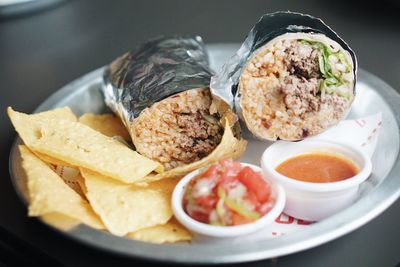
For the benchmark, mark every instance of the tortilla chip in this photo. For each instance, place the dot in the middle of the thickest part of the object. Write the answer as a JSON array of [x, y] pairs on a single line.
[[74, 144], [127, 208], [170, 232], [48, 193], [60, 221], [106, 124], [81, 183], [51, 160], [230, 147], [28, 126], [68, 173]]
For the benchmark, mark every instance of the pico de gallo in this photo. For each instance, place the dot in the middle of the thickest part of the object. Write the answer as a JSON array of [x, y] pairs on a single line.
[[226, 194]]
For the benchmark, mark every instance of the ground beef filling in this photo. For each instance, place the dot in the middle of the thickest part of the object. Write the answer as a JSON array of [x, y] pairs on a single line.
[[300, 95], [302, 61], [178, 130], [300, 87]]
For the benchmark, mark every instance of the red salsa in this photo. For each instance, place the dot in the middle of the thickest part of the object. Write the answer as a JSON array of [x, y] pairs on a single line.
[[227, 193]]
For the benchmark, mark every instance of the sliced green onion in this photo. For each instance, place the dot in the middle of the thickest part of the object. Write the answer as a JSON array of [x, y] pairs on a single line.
[[332, 81], [321, 85], [239, 208], [305, 42], [220, 204], [322, 63], [327, 65], [221, 211], [221, 192], [189, 197]]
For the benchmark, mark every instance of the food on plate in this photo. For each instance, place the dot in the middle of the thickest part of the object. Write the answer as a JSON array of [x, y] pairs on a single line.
[[296, 85], [293, 77], [318, 168], [160, 91], [29, 126], [170, 232], [60, 221], [106, 124], [178, 130], [228, 193], [70, 175], [229, 147], [81, 182], [48, 194], [125, 208], [76, 144], [64, 193], [321, 176]]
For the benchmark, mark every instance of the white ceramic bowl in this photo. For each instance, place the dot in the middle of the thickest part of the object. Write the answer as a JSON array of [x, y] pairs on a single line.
[[225, 231], [316, 201]]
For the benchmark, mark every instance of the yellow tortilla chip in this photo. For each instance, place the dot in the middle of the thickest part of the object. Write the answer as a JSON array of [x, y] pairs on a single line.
[[170, 232], [68, 173], [230, 147], [60, 221], [127, 208], [74, 144], [81, 183], [51, 160], [28, 126], [48, 193], [106, 124]]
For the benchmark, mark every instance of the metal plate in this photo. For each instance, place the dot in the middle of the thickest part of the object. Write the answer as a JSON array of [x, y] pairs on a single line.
[[379, 191]]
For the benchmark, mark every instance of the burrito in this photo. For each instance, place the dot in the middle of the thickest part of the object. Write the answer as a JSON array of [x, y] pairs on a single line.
[[161, 92], [178, 130], [292, 78]]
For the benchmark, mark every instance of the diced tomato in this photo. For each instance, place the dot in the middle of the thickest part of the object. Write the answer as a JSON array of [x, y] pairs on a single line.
[[254, 183], [226, 175], [207, 202], [199, 216], [226, 178], [239, 219], [252, 198]]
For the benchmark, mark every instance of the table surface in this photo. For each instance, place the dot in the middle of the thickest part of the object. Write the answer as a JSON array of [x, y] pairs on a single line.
[[41, 52]]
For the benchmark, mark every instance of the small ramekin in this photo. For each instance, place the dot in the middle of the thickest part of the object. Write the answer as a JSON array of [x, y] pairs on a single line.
[[225, 231], [316, 201]]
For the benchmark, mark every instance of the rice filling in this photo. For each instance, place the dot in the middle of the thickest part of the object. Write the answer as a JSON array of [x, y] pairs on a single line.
[[179, 129]]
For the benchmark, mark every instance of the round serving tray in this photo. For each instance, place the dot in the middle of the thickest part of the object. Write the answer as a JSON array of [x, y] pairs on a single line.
[[378, 192]]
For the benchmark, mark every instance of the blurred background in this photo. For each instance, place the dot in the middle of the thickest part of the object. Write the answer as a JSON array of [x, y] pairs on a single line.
[[46, 44]]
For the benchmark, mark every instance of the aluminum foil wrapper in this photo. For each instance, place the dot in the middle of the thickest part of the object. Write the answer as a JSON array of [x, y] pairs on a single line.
[[155, 70], [225, 83]]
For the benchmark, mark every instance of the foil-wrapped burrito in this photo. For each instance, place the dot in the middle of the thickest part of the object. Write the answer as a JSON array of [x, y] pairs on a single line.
[[293, 77], [160, 90]]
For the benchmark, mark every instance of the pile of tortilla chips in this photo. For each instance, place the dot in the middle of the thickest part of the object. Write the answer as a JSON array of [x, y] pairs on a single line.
[[84, 171]]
